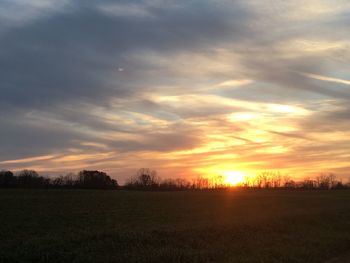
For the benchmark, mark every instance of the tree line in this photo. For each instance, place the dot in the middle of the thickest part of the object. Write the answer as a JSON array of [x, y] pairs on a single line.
[[146, 179], [83, 180]]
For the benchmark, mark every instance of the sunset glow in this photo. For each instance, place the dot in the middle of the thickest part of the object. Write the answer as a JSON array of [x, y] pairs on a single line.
[[233, 178], [188, 88]]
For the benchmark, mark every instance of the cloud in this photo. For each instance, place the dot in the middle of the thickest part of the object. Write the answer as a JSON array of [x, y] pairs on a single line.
[[17, 13], [325, 78], [174, 85], [68, 54]]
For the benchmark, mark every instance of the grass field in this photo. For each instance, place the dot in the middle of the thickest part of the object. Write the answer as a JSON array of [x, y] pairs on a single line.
[[218, 226]]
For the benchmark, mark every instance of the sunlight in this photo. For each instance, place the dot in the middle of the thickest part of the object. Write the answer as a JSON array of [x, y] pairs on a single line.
[[233, 178]]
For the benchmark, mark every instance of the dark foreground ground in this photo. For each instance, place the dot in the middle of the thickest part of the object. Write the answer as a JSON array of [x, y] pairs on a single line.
[[227, 226]]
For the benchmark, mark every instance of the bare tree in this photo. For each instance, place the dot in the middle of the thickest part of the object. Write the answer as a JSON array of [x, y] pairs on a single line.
[[145, 179], [30, 179], [326, 181]]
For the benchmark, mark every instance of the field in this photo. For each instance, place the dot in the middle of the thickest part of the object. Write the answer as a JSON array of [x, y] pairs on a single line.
[[218, 226]]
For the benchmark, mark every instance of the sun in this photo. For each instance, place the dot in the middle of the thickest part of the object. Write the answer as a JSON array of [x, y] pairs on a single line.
[[233, 178]]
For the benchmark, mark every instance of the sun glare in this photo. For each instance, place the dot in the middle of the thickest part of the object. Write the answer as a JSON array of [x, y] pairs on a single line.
[[233, 178]]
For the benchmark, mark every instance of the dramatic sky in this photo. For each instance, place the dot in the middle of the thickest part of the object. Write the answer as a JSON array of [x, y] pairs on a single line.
[[187, 87]]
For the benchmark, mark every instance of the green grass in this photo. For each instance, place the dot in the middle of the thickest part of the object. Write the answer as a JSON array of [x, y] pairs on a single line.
[[222, 226]]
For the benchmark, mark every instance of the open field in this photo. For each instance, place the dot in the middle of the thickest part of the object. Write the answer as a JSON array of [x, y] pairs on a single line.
[[218, 226]]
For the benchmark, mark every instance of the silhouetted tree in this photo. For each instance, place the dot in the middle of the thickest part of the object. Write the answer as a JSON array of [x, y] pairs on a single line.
[[276, 179], [65, 181], [326, 181], [201, 183], [71, 180], [249, 182], [95, 180], [7, 179], [339, 185], [218, 182], [31, 179], [145, 179], [264, 179], [308, 184], [174, 184]]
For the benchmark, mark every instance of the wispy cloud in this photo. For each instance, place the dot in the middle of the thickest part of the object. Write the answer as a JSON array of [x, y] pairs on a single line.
[[329, 79], [184, 87]]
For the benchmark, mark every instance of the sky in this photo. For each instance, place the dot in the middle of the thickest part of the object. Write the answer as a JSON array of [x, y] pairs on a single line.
[[188, 87]]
